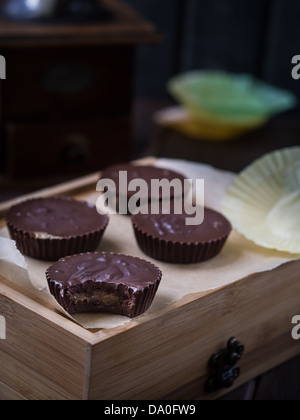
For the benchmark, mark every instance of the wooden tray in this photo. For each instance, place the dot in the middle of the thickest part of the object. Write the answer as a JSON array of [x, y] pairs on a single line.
[[162, 355]]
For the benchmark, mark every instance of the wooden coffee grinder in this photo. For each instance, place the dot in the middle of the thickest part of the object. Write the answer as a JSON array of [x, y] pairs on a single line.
[[66, 104]]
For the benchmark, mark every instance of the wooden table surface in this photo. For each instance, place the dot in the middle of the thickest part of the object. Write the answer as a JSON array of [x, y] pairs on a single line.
[[234, 155], [280, 384]]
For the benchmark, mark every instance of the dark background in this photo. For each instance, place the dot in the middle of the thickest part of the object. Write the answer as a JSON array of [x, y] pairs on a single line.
[[258, 36]]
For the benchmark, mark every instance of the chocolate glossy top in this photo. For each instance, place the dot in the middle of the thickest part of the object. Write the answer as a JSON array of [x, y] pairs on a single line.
[[173, 227], [58, 216], [147, 173], [103, 267]]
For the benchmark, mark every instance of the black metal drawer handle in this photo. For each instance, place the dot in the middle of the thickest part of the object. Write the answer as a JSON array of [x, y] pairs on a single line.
[[223, 366]]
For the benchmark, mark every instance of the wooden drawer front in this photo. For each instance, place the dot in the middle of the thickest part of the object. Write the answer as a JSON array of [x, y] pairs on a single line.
[[168, 358], [55, 84], [76, 147], [39, 366]]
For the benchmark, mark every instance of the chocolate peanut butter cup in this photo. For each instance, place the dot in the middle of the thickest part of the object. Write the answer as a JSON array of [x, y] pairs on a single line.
[[168, 238], [104, 282], [51, 228], [144, 173]]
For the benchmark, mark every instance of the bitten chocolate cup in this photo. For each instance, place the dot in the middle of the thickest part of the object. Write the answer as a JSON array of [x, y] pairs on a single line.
[[168, 238], [51, 228], [104, 283]]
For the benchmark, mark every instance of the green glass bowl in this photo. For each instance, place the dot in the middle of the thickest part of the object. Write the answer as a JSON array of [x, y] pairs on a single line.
[[235, 99]]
